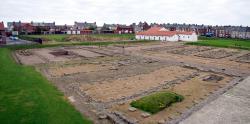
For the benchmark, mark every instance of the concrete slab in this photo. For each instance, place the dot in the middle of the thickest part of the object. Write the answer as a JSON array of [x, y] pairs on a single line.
[[233, 107]]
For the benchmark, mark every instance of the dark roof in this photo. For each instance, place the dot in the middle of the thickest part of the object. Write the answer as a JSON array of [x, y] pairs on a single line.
[[43, 24], [109, 27], [1, 26], [85, 25], [248, 29], [124, 26]]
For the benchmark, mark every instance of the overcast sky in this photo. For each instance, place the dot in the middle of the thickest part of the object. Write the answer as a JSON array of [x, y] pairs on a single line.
[[212, 12]]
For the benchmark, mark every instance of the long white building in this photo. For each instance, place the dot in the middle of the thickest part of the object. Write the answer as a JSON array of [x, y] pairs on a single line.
[[162, 34]]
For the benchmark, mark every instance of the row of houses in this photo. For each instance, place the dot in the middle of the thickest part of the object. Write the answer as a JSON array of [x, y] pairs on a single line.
[[92, 28], [77, 28], [210, 31], [35, 28]]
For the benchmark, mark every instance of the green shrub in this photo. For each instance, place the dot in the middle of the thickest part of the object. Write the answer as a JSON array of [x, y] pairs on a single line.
[[157, 101]]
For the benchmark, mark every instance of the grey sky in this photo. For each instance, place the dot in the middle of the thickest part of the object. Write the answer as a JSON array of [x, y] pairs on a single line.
[[212, 12]]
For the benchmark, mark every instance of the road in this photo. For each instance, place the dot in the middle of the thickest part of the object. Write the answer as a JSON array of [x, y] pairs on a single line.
[[18, 42]]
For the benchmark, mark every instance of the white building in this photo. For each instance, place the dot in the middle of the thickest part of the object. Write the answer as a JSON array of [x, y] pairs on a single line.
[[162, 34], [73, 32]]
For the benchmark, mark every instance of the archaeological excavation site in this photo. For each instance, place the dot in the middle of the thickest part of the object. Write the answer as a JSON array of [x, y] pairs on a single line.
[[102, 82]]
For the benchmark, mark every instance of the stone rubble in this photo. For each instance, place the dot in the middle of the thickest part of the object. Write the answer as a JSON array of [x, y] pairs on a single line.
[[132, 109], [145, 115]]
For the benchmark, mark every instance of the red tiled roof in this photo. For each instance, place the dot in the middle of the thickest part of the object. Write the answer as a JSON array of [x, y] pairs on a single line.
[[159, 31], [1, 26]]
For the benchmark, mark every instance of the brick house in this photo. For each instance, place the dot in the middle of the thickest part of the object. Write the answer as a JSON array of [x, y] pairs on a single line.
[[21, 28], [123, 29], [14, 26], [62, 29], [2, 34], [142, 26], [27, 28], [85, 27], [31, 28], [240, 32], [43, 28], [108, 28]]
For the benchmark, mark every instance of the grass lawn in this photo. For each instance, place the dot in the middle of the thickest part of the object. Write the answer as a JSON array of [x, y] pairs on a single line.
[[63, 37], [58, 38], [27, 97], [157, 101], [223, 42]]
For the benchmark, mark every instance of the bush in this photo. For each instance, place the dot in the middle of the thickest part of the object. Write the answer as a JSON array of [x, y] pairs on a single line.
[[157, 101]]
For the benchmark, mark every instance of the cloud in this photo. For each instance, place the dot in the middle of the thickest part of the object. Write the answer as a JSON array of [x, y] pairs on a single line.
[[215, 12]]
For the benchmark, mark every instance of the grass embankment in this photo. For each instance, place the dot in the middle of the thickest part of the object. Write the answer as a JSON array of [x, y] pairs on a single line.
[[91, 37], [29, 98], [223, 42], [157, 101]]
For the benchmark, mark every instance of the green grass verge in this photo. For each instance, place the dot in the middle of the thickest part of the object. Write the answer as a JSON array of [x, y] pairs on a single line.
[[63, 37], [59, 38], [223, 42], [26, 97], [157, 101]]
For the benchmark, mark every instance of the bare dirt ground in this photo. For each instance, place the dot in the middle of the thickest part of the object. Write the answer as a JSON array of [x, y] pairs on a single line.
[[102, 81], [193, 90], [124, 87]]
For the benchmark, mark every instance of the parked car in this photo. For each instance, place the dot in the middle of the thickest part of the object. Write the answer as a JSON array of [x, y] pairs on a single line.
[[209, 34], [14, 38]]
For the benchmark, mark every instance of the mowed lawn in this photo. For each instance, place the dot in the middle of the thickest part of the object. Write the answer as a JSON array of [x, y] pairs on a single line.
[[26, 97], [63, 37], [223, 42], [156, 102]]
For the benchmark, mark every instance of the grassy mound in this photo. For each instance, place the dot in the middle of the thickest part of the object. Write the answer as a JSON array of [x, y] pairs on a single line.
[[157, 101]]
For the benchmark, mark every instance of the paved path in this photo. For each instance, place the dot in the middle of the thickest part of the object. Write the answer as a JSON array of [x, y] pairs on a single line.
[[233, 107]]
